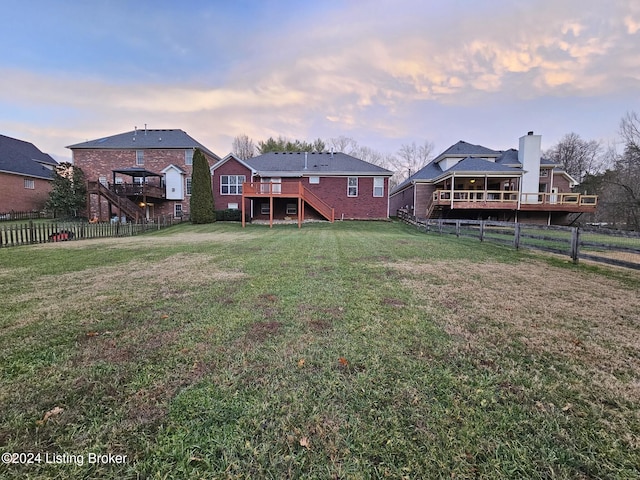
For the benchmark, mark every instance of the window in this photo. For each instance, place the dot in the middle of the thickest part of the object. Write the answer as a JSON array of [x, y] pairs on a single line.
[[292, 209], [188, 186], [378, 187], [352, 187], [139, 157], [29, 183], [119, 180], [103, 181], [232, 206], [188, 157], [231, 184], [314, 180], [177, 210], [264, 208], [544, 172]]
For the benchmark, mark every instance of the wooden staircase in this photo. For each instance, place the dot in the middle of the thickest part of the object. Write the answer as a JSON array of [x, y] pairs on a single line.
[[322, 207], [126, 206]]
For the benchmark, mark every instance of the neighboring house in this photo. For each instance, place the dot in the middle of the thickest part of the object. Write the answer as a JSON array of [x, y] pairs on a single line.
[[25, 176], [139, 174], [302, 185], [475, 182]]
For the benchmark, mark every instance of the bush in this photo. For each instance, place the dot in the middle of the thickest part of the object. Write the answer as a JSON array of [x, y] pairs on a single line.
[[229, 215]]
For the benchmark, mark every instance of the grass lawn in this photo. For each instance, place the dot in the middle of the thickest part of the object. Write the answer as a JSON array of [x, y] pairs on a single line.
[[352, 350]]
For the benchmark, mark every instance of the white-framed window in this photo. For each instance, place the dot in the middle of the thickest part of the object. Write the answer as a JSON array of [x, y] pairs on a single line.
[[544, 172], [29, 183], [292, 209], [188, 157], [352, 187], [378, 187], [189, 186], [139, 157], [119, 180], [314, 180], [231, 184], [177, 210], [232, 206], [264, 209], [103, 180]]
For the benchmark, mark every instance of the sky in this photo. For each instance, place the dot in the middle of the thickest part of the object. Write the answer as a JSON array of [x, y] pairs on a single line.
[[384, 73]]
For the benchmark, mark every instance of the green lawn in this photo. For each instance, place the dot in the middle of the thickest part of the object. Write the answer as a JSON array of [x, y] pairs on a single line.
[[346, 350]]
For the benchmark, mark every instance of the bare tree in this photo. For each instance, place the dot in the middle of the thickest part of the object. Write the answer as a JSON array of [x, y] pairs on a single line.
[[411, 158], [578, 157], [342, 144], [243, 147]]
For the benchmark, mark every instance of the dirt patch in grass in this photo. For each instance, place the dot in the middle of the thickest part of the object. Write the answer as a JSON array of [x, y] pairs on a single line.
[[261, 331], [590, 320]]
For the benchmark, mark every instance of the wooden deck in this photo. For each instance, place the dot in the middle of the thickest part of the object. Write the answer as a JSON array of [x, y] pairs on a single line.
[[286, 190], [509, 200]]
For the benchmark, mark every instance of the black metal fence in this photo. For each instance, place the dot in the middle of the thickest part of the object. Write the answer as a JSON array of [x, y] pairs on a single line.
[[34, 232], [594, 244]]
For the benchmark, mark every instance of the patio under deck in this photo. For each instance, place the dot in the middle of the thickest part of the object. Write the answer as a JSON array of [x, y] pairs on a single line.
[[295, 190]]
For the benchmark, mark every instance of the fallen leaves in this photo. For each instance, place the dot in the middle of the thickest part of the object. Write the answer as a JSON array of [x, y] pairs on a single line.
[[304, 442], [54, 411]]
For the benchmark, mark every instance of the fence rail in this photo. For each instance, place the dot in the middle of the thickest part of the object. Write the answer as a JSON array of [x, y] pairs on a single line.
[[597, 245], [44, 232], [12, 216]]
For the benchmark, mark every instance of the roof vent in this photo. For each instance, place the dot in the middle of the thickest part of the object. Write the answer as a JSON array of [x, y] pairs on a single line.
[[530, 133]]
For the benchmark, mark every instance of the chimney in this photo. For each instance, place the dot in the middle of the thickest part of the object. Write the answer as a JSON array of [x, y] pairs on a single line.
[[529, 155]]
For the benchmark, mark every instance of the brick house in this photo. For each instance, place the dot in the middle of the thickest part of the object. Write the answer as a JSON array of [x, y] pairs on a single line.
[[25, 176], [302, 185], [139, 174], [475, 182]]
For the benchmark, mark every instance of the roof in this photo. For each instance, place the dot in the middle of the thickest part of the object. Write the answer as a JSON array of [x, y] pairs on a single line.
[[144, 140], [473, 165], [473, 161], [316, 163], [137, 172], [24, 158], [463, 148]]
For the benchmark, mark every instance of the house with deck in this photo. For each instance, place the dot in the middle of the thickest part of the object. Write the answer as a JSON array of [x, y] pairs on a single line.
[[140, 174], [302, 185], [25, 176], [474, 182]]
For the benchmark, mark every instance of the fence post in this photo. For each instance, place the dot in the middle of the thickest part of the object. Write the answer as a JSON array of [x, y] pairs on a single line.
[[31, 236], [482, 230], [516, 236], [575, 244], [440, 226], [457, 228]]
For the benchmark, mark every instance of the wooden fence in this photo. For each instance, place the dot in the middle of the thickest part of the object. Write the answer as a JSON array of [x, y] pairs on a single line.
[[43, 232], [12, 216], [598, 245]]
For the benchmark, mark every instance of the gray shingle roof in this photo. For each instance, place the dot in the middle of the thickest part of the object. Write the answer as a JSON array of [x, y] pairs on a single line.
[[480, 165], [143, 140], [24, 158], [317, 163], [463, 148]]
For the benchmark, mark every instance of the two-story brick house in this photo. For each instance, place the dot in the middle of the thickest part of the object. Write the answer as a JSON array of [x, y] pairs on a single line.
[[25, 176], [139, 174], [475, 182]]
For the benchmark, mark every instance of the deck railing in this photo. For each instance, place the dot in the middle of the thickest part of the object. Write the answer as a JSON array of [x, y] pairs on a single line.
[[446, 197]]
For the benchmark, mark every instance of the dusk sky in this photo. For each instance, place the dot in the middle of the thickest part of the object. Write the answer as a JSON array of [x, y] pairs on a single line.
[[384, 73]]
